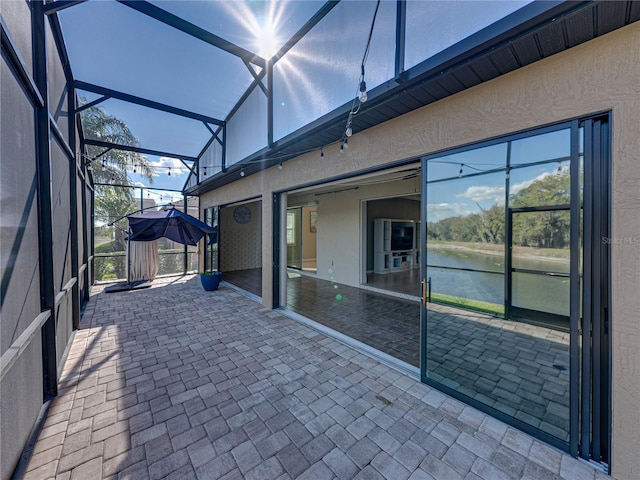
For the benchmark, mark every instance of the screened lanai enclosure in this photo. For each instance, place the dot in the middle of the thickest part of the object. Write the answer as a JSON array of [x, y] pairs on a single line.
[[472, 262]]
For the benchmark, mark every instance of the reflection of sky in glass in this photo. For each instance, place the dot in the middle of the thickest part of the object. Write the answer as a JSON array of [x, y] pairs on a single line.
[[463, 196], [541, 147], [472, 161]]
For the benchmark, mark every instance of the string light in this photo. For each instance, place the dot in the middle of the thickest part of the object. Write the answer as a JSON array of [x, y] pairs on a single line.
[[205, 171], [361, 94], [242, 172], [460, 172], [322, 152], [169, 173], [280, 166]]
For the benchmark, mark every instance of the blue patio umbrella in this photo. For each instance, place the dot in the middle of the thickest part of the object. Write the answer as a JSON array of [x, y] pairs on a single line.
[[173, 224]]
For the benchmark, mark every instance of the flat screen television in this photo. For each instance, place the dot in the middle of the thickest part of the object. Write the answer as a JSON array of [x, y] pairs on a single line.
[[401, 236]]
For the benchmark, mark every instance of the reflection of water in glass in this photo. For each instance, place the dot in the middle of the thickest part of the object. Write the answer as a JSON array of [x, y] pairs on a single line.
[[536, 292]]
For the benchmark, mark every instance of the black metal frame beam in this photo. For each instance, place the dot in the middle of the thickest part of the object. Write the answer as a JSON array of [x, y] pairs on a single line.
[[92, 104], [54, 7], [189, 28], [16, 62], [299, 35], [401, 25], [45, 217], [107, 92], [128, 148]]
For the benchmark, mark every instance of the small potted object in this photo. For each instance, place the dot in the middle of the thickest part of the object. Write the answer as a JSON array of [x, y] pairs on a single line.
[[210, 280]]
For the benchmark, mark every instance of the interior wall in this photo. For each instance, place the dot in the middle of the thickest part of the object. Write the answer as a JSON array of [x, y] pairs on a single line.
[[393, 208], [309, 237], [240, 244], [599, 75]]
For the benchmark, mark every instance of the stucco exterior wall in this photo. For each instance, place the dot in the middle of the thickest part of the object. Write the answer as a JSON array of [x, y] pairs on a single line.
[[600, 75]]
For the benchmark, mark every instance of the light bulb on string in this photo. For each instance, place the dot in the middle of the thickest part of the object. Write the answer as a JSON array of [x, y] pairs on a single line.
[[460, 172], [322, 152], [346, 143], [363, 91], [169, 173], [205, 171], [280, 166], [134, 168], [242, 172], [349, 131]]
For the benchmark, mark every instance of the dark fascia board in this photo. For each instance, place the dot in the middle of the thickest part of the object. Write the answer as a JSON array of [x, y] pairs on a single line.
[[107, 92], [145, 151], [189, 28]]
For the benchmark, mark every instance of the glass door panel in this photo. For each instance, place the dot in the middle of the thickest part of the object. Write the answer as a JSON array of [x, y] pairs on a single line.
[[294, 237], [538, 276]]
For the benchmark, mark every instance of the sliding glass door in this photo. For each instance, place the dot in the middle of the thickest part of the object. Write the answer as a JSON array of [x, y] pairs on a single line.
[[515, 293]]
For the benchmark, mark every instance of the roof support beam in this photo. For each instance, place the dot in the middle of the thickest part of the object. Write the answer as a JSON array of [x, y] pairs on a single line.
[[54, 7], [91, 104], [144, 102], [16, 61], [319, 15], [193, 30], [128, 148], [401, 22]]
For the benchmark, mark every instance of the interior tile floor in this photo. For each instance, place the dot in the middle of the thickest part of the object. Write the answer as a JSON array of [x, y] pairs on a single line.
[[249, 280], [177, 383]]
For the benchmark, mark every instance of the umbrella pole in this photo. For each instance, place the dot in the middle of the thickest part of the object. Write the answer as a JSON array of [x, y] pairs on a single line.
[[128, 261]]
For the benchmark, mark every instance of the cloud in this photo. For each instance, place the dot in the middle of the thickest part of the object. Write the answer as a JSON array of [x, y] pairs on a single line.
[[478, 193], [161, 167]]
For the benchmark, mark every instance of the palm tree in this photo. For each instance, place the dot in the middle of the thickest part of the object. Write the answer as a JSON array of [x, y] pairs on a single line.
[[113, 165]]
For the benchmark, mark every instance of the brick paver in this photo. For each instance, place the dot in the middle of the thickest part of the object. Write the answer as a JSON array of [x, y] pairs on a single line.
[[174, 382]]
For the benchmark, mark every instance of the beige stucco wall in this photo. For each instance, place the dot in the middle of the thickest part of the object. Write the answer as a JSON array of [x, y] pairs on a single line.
[[603, 74]]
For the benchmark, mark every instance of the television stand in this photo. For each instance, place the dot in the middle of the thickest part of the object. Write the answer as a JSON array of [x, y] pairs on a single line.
[[394, 245]]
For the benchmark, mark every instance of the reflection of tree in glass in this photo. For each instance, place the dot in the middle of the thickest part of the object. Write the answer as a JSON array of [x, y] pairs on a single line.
[[548, 229]]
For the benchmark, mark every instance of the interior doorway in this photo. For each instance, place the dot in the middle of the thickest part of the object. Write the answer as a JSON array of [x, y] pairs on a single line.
[[302, 228]]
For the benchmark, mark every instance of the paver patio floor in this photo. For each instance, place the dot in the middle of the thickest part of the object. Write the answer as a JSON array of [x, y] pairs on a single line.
[[175, 382]]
